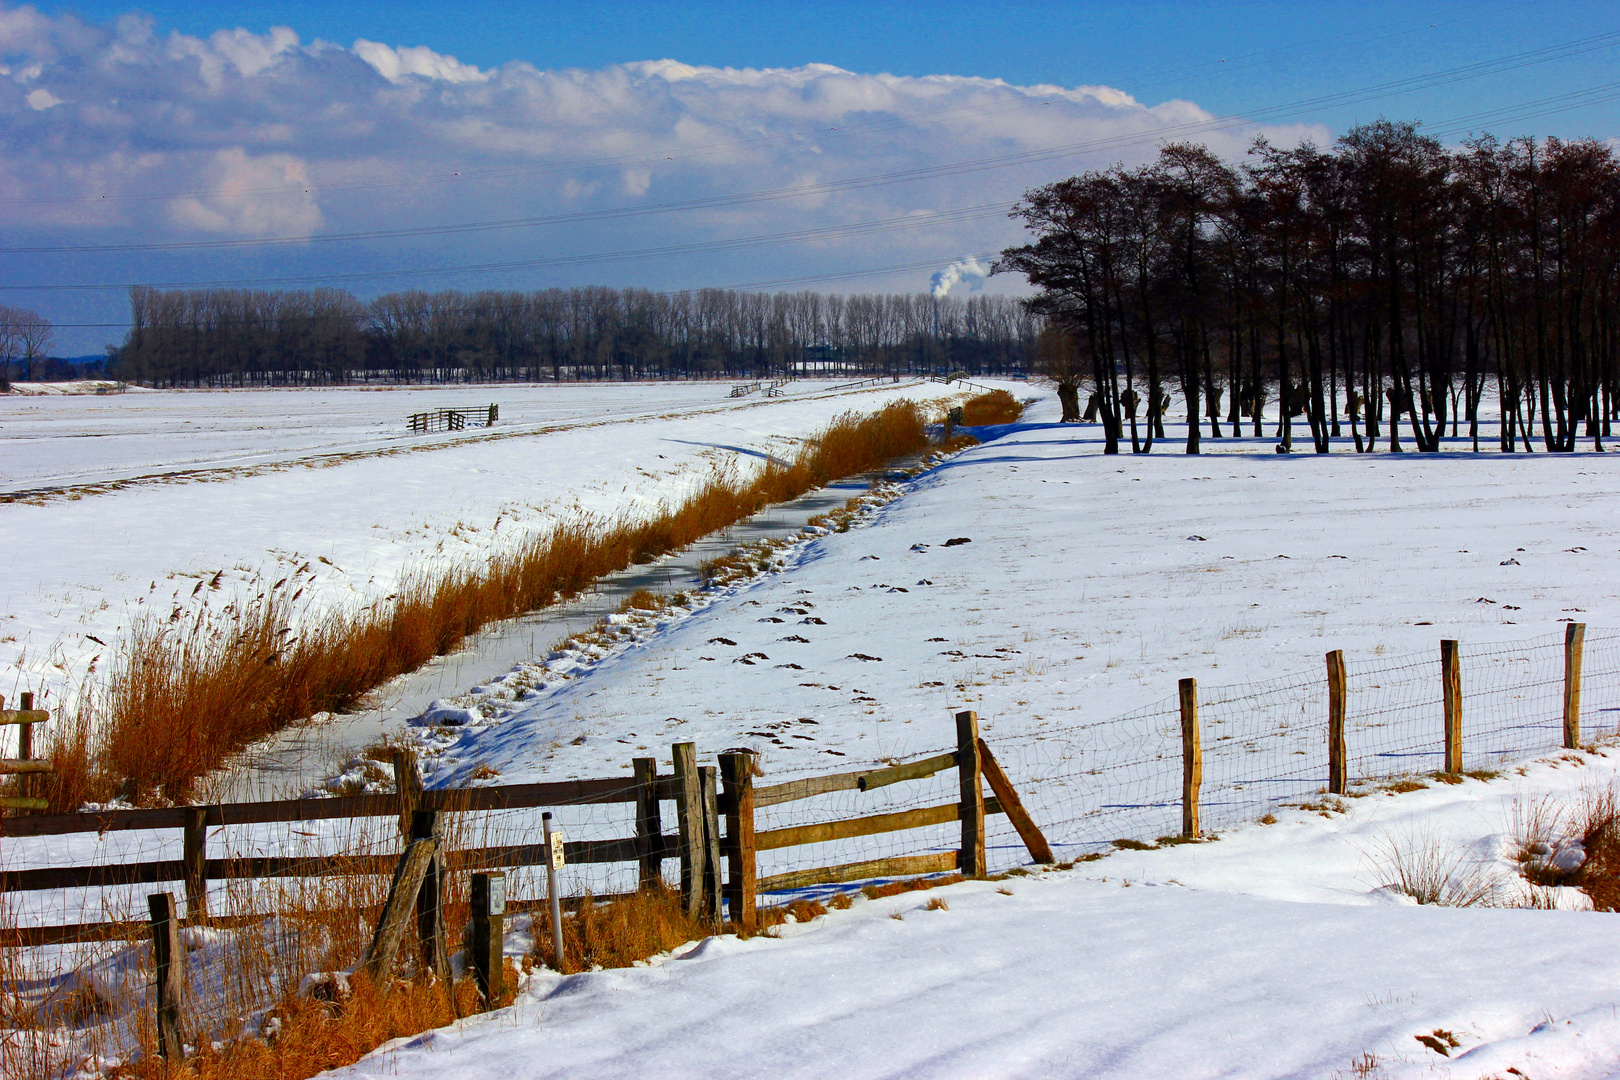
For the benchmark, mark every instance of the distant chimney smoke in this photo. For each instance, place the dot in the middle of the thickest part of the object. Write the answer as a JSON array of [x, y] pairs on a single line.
[[968, 268]]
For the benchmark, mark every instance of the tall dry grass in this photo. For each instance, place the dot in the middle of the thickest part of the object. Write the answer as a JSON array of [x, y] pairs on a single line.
[[995, 407], [182, 696]]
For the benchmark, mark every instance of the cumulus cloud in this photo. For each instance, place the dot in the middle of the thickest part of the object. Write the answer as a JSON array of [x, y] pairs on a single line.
[[238, 134], [250, 196]]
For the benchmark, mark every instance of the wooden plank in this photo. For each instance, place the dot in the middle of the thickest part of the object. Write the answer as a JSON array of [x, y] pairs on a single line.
[[1338, 769], [78, 877], [915, 770], [971, 806], [21, 765], [407, 786], [794, 790], [1008, 799], [430, 928], [511, 797], [709, 777], [1574, 647], [649, 829], [1192, 758], [489, 934], [195, 858], [903, 866], [399, 908], [689, 824], [23, 802], [168, 960], [823, 832], [24, 716], [742, 889], [1451, 695]]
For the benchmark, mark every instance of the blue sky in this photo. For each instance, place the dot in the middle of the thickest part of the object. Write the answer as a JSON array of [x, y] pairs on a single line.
[[191, 123]]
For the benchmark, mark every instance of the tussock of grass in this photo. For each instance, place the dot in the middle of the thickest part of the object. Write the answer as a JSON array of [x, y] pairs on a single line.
[[619, 932], [996, 407], [182, 696]]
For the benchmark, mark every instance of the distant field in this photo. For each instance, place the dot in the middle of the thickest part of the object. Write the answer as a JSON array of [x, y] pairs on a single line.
[[51, 440]]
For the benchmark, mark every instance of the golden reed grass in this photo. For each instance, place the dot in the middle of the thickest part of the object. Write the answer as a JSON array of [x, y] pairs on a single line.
[[182, 696]]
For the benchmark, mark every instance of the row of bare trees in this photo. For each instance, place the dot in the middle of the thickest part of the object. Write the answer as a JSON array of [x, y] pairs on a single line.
[[230, 337], [26, 338], [1384, 285]]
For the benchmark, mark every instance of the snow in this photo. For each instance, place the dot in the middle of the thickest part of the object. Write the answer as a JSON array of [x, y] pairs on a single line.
[[328, 478], [1087, 586], [1272, 951]]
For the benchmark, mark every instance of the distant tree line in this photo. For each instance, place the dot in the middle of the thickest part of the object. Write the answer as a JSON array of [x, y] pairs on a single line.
[[233, 337], [1382, 285], [26, 338]]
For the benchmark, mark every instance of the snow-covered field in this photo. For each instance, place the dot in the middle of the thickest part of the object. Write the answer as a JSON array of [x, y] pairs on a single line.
[[1087, 586], [293, 481], [1272, 952]]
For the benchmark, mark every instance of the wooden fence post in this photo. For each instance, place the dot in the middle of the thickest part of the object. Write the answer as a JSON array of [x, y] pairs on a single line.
[[737, 773], [1013, 806], [649, 829], [1574, 646], [1192, 758], [1338, 775], [25, 748], [168, 960], [971, 807], [430, 898], [689, 818], [489, 935], [711, 844], [1451, 686], [194, 854], [402, 895], [407, 786]]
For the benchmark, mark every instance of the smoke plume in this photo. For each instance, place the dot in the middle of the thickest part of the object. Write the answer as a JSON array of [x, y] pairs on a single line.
[[968, 268]]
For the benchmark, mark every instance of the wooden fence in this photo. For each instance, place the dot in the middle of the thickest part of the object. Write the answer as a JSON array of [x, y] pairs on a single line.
[[698, 841], [451, 419], [24, 765], [1451, 720]]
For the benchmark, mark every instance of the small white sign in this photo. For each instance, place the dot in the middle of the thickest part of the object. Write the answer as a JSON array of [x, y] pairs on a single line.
[[556, 851], [497, 894]]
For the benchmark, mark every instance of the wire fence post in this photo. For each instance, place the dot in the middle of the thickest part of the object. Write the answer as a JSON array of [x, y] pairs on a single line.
[[1192, 758], [430, 898], [195, 856], [649, 829], [1451, 684], [689, 820], [972, 860], [167, 960], [1337, 771], [489, 935], [407, 786], [1574, 647], [737, 773], [708, 776]]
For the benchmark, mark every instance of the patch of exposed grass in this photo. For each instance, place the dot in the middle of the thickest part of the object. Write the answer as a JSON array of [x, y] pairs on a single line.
[[995, 407]]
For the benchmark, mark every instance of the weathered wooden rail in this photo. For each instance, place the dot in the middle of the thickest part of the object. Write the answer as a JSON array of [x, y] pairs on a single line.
[[451, 419], [698, 841], [24, 764]]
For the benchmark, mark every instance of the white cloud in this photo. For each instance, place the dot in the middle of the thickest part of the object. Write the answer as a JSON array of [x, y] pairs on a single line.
[[395, 64], [238, 134], [248, 196]]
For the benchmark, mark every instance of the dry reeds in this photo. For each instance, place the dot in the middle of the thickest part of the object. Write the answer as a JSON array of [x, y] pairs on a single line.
[[995, 407], [183, 695], [619, 932]]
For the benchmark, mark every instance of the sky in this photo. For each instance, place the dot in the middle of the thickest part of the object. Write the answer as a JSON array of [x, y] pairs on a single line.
[[838, 146]]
